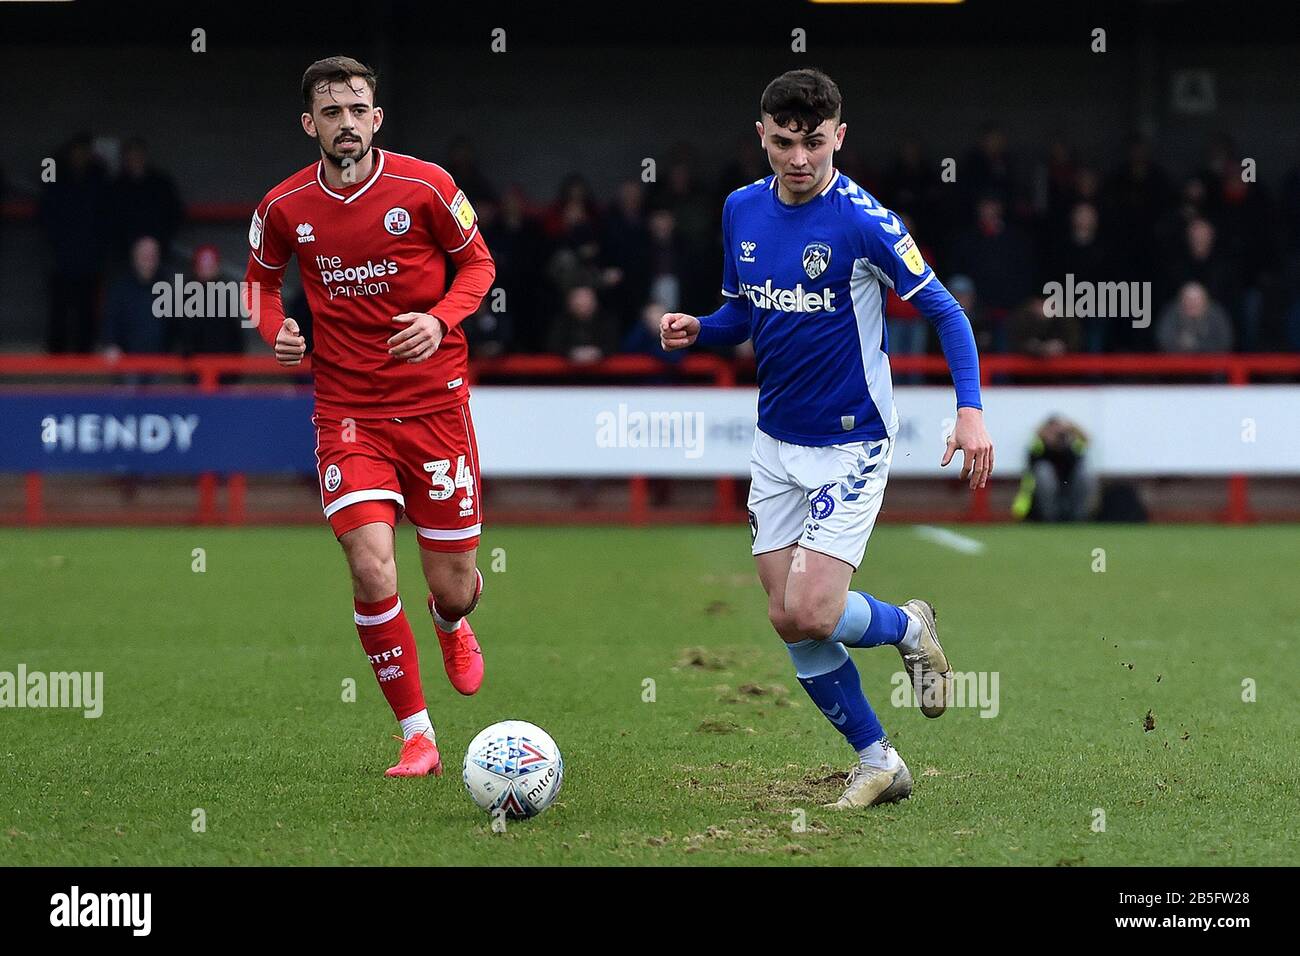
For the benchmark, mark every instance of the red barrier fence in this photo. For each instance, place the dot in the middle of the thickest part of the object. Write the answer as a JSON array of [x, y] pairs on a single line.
[[209, 373], [207, 370]]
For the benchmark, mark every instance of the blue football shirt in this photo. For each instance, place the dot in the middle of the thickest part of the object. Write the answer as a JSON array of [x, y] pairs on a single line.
[[812, 280]]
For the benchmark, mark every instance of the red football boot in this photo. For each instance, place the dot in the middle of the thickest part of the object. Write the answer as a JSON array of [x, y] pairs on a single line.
[[461, 654], [419, 758]]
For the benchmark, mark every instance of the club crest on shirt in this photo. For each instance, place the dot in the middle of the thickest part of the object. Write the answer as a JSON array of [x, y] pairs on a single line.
[[816, 257], [397, 221], [333, 478], [910, 254]]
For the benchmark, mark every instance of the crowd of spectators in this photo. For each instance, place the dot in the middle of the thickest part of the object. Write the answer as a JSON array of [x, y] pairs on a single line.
[[109, 238], [585, 275]]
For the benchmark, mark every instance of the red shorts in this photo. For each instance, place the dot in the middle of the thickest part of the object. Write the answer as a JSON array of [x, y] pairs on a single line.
[[374, 469]]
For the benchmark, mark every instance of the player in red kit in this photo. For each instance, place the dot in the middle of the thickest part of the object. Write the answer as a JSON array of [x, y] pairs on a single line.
[[375, 235]]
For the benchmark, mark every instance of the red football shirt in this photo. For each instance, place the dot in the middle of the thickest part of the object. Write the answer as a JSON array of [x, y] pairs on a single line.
[[367, 253]]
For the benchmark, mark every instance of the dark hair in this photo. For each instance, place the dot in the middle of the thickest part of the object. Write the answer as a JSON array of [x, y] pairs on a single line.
[[334, 69], [805, 98]]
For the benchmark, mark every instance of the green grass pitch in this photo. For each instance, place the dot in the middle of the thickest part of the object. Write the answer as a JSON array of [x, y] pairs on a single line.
[[223, 691]]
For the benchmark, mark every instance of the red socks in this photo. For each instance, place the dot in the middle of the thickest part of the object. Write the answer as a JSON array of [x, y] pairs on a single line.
[[390, 645]]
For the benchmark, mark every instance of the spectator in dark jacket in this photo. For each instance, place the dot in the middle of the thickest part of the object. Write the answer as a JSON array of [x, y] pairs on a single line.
[[1199, 259], [73, 214], [490, 334], [130, 326], [643, 339], [692, 208], [987, 171], [669, 260], [2, 237], [1137, 197], [209, 334], [463, 164], [963, 290], [999, 259], [1081, 253], [912, 182], [144, 201], [573, 227], [1034, 332], [1054, 186], [747, 164], [1194, 322], [518, 248], [582, 333], [1290, 209], [627, 253]]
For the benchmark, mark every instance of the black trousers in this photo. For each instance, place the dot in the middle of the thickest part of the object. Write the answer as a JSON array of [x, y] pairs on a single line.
[[73, 300]]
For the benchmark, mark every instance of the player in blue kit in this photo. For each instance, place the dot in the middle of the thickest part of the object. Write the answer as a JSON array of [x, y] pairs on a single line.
[[809, 256]]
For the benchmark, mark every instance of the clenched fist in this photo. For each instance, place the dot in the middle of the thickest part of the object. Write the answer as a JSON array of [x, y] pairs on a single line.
[[290, 346], [677, 330]]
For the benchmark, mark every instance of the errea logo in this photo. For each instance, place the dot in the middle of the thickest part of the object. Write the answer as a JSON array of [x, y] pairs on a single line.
[[305, 232]]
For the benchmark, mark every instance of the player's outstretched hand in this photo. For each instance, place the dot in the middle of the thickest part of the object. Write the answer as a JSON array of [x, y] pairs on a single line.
[[290, 346], [420, 339], [677, 330], [976, 447]]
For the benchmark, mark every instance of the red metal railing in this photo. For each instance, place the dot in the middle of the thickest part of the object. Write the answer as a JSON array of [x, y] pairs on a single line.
[[206, 373], [206, 370]]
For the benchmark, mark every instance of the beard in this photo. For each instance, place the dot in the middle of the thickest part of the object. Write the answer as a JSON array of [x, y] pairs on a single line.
[[338, 160]]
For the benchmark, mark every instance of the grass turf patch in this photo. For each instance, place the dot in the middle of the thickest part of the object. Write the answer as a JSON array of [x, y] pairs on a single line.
[[648, 656]]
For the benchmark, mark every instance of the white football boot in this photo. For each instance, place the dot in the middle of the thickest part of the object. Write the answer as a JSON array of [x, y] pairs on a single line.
[[869, 786], [925, 661]]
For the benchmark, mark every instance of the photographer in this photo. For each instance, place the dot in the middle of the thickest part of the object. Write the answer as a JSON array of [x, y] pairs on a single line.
[[1057, 484]]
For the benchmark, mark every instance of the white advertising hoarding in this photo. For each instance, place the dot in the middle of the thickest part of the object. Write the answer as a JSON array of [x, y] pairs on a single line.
[[706, 432]]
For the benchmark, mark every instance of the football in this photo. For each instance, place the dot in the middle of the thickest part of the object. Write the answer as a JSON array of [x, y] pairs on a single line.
[[513, 766]]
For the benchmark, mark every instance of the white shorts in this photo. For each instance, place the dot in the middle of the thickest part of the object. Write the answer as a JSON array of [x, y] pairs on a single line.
[[824, 499]]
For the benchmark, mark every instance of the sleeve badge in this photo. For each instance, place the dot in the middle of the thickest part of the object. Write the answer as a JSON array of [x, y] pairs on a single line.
[[255, 232], [907, 250], [463, 211]]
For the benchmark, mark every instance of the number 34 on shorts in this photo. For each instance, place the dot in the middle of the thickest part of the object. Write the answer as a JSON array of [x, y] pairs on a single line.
[[444, 486], [426, 465]]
